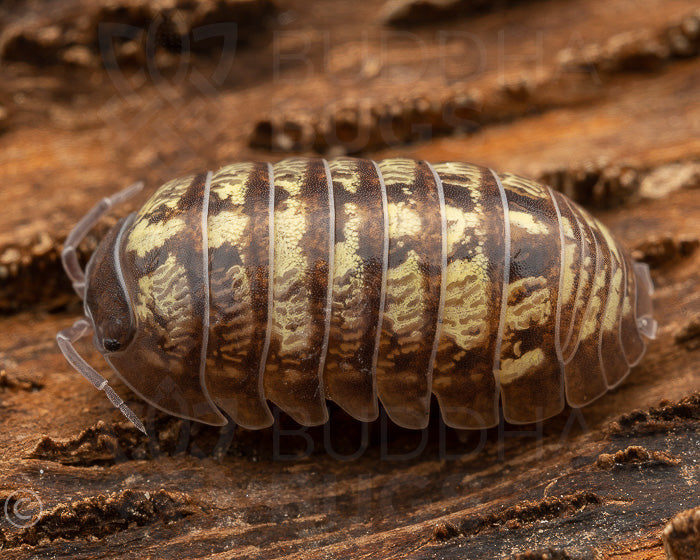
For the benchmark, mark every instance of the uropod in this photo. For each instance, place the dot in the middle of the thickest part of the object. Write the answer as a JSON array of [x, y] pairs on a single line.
[[359, 282]]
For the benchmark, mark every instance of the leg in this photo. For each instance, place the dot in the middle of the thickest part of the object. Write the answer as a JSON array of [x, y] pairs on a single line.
[[65, 340], [69, 256]]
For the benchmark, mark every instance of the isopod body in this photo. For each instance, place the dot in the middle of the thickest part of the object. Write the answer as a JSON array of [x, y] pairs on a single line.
[[360, 282]]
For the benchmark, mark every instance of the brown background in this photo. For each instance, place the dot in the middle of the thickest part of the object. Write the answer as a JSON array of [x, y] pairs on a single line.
[[600, 98]]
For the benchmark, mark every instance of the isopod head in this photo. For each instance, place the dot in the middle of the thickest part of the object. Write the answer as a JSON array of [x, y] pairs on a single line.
[[107, 305], [155, 351]]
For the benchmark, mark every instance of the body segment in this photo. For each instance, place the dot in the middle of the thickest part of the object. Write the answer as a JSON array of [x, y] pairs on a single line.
[[414, 299], [465, 382], [530, 372], [359, 286]]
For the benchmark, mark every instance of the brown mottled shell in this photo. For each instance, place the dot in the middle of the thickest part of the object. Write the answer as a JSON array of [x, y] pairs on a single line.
[[358, 281]]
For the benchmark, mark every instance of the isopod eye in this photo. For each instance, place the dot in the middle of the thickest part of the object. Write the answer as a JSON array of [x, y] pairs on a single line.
[[111, 344]]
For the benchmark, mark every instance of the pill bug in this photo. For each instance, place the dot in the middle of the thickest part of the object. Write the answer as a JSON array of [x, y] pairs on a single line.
[[359, 281]]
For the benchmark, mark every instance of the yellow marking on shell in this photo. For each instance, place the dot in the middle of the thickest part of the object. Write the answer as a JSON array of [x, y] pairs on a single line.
[[583, 281], [526, 221], [167, 195], [347, 260], [523, 186], [460, 225], [229, 185], [351, 294], [590, 322], [348, 282], [227, 227], [471, 173], [466, 311], [627, 300], [291, 310], [398, 171], [535, 309], [234, 299], [230, 289], [345, 174], [166, 291], [453, 167], [146, 236], [620, 286], [290, 227], [611, 311], [610, 241], [230, 182], [570, 268], [403, 220], [589, 325], [291, 306], [405, 301], [465, 318], [513, 368], [289, 174]]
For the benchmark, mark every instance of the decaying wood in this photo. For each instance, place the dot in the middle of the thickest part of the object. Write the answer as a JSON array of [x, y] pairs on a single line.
[[682, 535], [597, 97]]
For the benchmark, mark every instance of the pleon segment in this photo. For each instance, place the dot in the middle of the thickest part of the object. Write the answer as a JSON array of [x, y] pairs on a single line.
[[610, 350], [413, 289], [530, 373], [302, 286], [163, 262], [585, 377], [463, 376], [587, 271], [574, 254], [358, 284], [632, 341], [240, 208]]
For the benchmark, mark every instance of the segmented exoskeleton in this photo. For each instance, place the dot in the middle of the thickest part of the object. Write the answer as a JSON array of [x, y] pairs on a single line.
[[358, 281]]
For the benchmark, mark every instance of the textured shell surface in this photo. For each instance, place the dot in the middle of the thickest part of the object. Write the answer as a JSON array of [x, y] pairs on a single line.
[[366, 282]]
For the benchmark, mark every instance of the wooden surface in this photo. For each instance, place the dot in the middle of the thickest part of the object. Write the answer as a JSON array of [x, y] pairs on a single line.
[[599, 97]]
